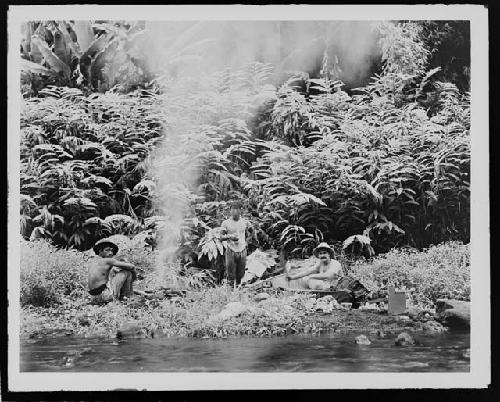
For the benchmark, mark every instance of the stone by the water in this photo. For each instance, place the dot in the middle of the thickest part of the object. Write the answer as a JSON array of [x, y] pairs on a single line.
[[362, 340], [465, 354], [433, 326], [404, 339], [453, 313], [232, 309], [413, 312], [130, 330]]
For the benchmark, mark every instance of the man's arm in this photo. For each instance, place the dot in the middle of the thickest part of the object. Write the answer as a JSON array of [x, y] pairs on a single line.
[[123, 265], [306, 272], [224, 235], [331, 273], [325, 275], [120, 264]]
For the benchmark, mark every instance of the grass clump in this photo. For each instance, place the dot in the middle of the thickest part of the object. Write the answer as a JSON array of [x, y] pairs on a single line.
[[441, 271], [49, 275]]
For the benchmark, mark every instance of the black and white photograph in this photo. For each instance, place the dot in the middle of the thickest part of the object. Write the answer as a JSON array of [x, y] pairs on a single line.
[[219, 197]]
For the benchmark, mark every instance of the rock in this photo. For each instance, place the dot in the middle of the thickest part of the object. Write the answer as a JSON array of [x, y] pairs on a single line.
[[404, 339], [69, 361], [130, 330], [453, 313], [71, 357], [404, 318], [415, 364], [433, 326], [423, 316], [413, 312], [262, 296], [465, 354], [231, 310], [362, 340]]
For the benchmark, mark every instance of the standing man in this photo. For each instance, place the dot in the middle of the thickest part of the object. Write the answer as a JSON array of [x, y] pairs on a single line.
[[234, 232], [323, 274]]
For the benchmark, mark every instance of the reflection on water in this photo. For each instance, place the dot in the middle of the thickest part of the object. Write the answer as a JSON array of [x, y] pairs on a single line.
[[329, 353]]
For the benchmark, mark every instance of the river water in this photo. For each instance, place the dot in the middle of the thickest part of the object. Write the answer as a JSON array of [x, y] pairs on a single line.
[[302, 353]]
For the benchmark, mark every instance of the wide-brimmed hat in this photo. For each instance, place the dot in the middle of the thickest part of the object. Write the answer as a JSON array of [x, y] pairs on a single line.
[[105, 243], [324, 246]]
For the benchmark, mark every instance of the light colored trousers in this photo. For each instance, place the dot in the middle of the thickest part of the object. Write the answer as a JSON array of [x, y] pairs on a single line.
[[119, 285]]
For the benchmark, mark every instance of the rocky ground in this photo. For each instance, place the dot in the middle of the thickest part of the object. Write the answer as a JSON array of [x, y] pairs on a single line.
[[221, 313]]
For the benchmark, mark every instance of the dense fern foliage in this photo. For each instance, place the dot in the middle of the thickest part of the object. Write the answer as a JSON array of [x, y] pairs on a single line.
[[388, 163], [83, 159]]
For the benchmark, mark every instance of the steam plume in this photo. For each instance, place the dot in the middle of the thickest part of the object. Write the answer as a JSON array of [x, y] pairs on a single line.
[[186, 52]]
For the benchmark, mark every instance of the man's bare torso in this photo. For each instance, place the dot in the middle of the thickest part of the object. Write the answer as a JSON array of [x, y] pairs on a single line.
[[333, 268], [98, 272]]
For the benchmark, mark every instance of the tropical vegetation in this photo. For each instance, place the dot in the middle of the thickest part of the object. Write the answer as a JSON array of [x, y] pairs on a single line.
[[147, 134], [130, 150]]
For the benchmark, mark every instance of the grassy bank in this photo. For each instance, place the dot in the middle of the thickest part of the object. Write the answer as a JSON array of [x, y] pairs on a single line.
[[55, 301]]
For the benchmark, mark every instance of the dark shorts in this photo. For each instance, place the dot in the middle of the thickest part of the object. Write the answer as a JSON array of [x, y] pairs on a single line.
[[97, 291]]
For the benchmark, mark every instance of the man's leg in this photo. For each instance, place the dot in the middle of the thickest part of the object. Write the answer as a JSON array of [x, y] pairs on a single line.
[[318, 284], [220, 270], [121, 284], [127, 288], [230, 266], [240, 266]]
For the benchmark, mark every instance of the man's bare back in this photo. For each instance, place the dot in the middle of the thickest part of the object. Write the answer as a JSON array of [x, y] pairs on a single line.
[[99, 274]]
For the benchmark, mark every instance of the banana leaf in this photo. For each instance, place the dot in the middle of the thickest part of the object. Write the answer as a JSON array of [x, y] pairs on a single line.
[[75, 49], [34, 68], [55, 63], [60, 48], [84, 34]]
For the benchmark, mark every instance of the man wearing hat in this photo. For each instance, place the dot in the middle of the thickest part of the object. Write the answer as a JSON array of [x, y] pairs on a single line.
[[322, 274], [109, 273]]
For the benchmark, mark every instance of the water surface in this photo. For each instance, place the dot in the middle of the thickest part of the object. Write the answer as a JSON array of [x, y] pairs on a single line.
[[302, 353]]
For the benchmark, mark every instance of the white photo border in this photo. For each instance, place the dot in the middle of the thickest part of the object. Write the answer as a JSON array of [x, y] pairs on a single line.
[[480, 363]]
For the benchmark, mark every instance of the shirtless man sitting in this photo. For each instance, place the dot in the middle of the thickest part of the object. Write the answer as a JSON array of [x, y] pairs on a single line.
[[323, 274], [108, 273]]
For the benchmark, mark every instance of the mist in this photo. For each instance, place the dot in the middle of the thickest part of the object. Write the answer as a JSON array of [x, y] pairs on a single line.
[[351, 46], [187, 55]]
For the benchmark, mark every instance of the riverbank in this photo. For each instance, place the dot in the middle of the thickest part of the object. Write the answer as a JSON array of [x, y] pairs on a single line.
[[55, 302], [217, 312]]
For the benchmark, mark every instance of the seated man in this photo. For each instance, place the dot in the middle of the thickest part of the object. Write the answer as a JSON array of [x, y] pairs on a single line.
[[109, 273], [322, 275]]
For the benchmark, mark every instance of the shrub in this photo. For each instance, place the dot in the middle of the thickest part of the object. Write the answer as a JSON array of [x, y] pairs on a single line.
[[441, 271], [48, 273]]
